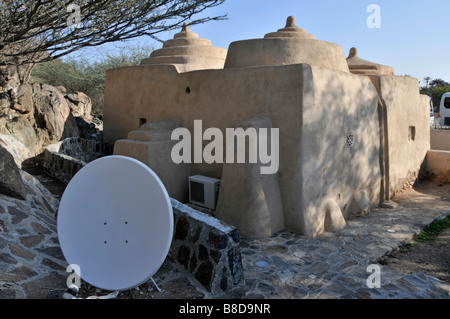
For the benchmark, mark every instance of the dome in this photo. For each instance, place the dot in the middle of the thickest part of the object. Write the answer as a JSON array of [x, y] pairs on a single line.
[[188, 52], [290, 45], [364, 67]]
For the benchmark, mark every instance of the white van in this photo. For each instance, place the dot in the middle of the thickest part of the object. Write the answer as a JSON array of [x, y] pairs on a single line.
[[444, 110]]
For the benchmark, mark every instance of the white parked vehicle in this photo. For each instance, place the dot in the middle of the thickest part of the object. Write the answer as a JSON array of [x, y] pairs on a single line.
[[444, 110], [431, 111]]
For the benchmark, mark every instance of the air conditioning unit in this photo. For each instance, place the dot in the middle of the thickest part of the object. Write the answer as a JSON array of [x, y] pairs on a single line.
[[204, 191]]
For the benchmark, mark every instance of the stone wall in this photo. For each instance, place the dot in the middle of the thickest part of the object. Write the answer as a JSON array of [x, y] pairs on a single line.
[[65, 158], [207, 248]]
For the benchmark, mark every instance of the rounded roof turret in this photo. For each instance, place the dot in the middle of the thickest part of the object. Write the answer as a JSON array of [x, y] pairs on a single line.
[[289, 45], [188, 52], [291, 30], [364, 67]]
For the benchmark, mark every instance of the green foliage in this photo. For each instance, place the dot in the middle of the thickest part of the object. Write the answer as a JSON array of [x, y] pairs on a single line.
[[437, 92], [435, 88], [406, 248], [71, 74], [434, 229], [428, 234], [85, 75]]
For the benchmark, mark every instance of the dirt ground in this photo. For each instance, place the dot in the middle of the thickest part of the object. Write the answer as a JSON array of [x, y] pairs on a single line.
[[430, 257]]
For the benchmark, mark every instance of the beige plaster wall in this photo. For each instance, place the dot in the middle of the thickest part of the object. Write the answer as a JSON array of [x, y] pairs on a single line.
[[284, 51], [314, 108], [438, 166], [405, 108], [221, 98], [249, 200], [124, 107], [152, 146], [440, 140], [331, 174]]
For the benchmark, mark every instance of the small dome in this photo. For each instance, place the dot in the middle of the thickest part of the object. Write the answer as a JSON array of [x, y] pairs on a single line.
[[364, 67], [188, 52], [290, 45]]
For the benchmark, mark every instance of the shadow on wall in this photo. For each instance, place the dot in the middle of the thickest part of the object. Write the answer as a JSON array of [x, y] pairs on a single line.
[[341, 151], [334, 160]]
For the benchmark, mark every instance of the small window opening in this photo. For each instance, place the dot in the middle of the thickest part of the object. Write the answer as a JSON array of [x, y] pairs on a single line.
[[142, 121], [412, 133]]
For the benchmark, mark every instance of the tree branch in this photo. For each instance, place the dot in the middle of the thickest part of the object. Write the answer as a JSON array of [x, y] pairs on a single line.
[[33, 31]]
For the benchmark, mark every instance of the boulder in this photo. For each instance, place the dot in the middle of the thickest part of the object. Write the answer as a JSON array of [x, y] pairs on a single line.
[[90, 130], [11, 183], [5, 104], [61, 89], [16, 148], [86, 103], [9, 77], [80, 104], [72, 97], [24, 103], [21, 128], [53, 115], [38, 115], [48, 87]]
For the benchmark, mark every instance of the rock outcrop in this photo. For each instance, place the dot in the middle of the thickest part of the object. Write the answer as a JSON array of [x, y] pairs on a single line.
[[40, 114], [80, 104], [37, 115], [11, 183], [33, 116]]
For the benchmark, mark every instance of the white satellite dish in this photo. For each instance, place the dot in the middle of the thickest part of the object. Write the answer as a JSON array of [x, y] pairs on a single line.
[[115, 222]]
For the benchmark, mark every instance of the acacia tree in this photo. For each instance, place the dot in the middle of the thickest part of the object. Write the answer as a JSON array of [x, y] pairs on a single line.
[[33, 31]]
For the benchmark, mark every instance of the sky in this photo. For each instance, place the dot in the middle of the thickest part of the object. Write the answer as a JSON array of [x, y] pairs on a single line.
[[413, 37]]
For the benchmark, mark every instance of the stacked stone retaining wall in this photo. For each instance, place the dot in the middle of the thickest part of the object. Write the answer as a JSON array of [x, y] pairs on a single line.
[[65, 158], [207, 248]]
